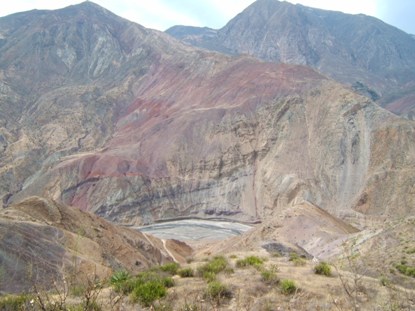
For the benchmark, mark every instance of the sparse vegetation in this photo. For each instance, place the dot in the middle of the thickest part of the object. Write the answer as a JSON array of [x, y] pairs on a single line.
[[213, 267], [185, 272], [288, 287], [147, 292], [405, 269], [145, 288], [297, 260], [170, 268], [249, 261], [323, 268], [15, 302], [269, 277], [384, 281], [119, 280], [216, 290], [209, 276]]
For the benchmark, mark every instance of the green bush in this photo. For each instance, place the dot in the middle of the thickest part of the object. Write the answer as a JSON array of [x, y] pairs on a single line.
[[170, 268], [148, 292], [249, 261], [217, 290], [323, 268], [269, 277], [209, 276], [129, 285], [186, 272], [168, 282], [215, 266], [288, 287], [405, 269], [119, 281], [15, 302], [119, 276]]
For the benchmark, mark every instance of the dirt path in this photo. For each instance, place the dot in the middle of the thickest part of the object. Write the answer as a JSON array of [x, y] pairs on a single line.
[[168, 252]]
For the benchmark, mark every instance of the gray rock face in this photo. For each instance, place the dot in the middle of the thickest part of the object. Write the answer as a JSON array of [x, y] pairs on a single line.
[[349, 48]]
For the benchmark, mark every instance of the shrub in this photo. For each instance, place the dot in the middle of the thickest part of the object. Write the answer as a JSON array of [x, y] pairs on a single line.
[[269, 277], [186, 272], [119, 276], [384, 281], [168, 282], [12, 302], [405, 269], [148, 292], [170, 268], [209, 276], [296, 259], [249, 261], [288, 287], [78, 290], [119, 280], [130, 284], [276, 254], [217, 290], [229, 271], [216, 265], [323, 268]]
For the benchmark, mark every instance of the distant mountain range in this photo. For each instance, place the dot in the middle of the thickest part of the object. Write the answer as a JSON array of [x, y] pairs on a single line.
[[375, 58]]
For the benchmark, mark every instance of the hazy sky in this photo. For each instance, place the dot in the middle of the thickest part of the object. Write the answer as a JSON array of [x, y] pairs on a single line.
[[161, 14]]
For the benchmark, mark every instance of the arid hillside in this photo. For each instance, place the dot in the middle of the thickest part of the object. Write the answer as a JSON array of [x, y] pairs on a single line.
[[42, 242], [155, 129]]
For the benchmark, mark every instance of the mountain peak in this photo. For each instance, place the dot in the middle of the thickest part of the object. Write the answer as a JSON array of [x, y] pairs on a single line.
[[348, 48]]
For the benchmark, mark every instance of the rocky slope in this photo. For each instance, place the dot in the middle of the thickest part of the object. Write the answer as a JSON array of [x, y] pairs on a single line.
[[362, 51], [138, 127], [66, 76], [42, 241]]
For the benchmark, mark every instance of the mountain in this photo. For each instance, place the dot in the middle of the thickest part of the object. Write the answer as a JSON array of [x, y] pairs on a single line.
[[134, 126], [362, 51], [65, 79], [42, 241]]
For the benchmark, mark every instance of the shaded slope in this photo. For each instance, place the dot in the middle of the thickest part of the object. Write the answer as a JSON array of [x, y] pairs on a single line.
[[42, 241]]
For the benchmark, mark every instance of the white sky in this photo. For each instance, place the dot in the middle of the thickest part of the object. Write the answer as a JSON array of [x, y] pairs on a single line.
[[162, 14]]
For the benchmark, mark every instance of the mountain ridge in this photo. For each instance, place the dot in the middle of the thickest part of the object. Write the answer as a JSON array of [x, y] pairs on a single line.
[[349, 48]]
